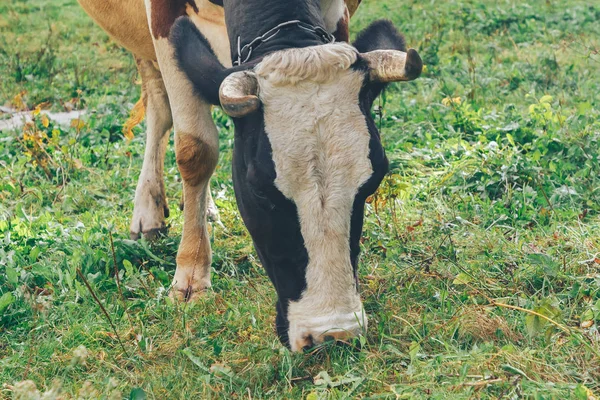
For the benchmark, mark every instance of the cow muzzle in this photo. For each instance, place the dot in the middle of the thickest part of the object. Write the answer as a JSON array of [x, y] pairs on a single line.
[[307, 332]]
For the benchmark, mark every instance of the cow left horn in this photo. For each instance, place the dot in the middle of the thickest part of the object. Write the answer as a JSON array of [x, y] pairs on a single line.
[[393, 65], [238, 94]]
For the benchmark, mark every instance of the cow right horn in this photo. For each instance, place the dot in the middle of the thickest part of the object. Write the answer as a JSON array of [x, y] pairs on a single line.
[[239, 94], [393, 65]]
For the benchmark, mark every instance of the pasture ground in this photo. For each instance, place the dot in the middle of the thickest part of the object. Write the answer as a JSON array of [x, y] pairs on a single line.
[[480, 267]]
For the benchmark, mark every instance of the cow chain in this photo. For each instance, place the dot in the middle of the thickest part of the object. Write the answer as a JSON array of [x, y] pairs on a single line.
[[271, 33]]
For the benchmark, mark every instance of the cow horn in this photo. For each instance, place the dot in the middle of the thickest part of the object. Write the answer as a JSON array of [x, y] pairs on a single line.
[[393, 65], [238, 94]]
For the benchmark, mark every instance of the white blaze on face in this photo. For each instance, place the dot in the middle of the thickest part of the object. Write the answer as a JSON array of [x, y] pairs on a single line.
[[320, 144]]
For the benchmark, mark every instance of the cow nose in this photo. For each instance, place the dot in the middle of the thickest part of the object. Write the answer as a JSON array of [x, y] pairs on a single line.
[[307, 342], [309, 329]]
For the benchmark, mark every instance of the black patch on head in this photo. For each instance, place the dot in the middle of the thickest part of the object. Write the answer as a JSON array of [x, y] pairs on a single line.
[[380, 165], [380, 35], [269, 216], [217, 2]]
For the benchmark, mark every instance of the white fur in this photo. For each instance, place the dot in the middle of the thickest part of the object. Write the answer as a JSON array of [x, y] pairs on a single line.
[[319, 64], [332, 11], [320, 143]]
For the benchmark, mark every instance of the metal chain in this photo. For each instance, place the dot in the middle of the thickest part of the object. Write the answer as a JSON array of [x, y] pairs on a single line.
[[271, 33]]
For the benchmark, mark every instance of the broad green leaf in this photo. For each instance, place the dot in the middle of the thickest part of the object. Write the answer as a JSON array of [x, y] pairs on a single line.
[[583, 108], [414, 350], [510, 138], [550, 266], [587, 315], [128, 267], [196, 360], [534, 324], [6, 300], [583, 393], [513, 370], [34, 253], [12, 276], [137, 394], [462, 279]]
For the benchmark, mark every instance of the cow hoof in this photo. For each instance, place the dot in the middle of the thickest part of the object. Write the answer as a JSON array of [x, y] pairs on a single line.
[[212, 212], [149, 235], [149, 214]]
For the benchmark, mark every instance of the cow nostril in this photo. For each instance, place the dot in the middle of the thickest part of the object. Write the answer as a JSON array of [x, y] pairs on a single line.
[[328, 338], [308, 343]]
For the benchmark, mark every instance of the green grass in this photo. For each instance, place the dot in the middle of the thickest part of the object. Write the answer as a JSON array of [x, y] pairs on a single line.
[[492, 203]]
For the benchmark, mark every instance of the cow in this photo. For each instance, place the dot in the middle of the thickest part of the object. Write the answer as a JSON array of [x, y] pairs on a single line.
[[127, 22], [307, 152]]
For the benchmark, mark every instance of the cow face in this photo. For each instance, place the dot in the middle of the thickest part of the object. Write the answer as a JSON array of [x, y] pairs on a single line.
[[307, 155]]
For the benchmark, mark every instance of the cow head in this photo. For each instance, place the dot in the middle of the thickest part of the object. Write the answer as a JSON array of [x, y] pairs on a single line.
[[307, 154]]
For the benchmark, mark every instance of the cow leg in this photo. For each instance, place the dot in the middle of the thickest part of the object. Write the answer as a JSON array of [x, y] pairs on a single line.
[[196, 150], [212, 212], [150, 205]]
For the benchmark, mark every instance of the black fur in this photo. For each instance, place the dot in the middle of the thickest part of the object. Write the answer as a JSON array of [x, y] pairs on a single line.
[[380, 35], [197, 59], [248, 19]]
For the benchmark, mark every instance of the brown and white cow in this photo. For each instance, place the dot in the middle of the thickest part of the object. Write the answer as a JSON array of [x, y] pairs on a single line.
[[307, 152], [143, 27]]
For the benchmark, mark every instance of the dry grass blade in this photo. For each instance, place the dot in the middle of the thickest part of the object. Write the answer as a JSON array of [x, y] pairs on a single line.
[[87, 284]]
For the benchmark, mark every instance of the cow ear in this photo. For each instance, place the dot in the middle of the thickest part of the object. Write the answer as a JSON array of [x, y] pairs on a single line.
[[197, 59], [383, 54], [380, 35]]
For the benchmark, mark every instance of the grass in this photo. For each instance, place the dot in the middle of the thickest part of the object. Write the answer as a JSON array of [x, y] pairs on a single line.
[[480, 267]]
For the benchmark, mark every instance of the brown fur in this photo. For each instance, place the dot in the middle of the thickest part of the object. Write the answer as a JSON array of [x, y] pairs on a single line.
[[342, 33], [195, 159], [164, 14], [125, 21], [352, 5]]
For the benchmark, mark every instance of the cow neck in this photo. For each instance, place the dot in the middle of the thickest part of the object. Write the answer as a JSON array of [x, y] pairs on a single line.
[[249, 19], [245, 52]]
